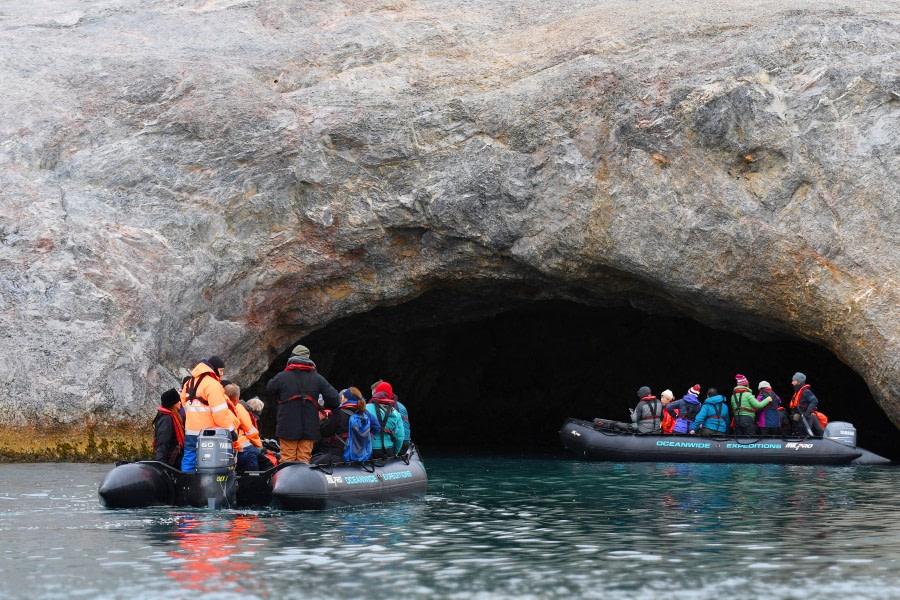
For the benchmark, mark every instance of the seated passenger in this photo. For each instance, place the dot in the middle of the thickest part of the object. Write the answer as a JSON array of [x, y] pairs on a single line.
[[646, 417], [713, 416], [389, 439], [383, 386], [804, 404], [248, 444], [335, 429], [686, 410], [667, 425], [768, 420], [168, 430], [745, 406]]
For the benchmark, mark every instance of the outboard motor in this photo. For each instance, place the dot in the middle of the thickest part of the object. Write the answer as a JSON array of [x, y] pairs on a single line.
[[841, 432], [214, 484]]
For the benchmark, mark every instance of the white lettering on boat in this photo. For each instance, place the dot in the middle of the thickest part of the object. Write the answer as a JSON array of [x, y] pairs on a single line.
[[797, 445]]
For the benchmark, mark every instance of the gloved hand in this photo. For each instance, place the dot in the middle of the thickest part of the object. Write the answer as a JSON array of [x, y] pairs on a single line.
[[234, 435], [795, 417]]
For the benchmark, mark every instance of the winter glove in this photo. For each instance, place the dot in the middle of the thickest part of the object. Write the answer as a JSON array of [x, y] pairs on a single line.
[[234, 435], [796, 417]]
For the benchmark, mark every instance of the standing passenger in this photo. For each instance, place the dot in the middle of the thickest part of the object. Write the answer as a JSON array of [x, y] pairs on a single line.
[[768, 419], [248, 445], [646, 417], [168, 430], [687, 408], [298, 388], [205, 405], [744, 406], [713, 417]]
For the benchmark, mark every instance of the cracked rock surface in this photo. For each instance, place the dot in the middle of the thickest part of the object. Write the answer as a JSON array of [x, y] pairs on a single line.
[[178, 179]]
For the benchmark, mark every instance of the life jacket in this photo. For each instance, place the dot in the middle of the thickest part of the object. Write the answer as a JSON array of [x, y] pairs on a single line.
[[668, 422], [176, 424], [359, 438], [383, 410], [340, 437], [737, 400], [718, 415], [653, 406], [795, 401], [822, 418]]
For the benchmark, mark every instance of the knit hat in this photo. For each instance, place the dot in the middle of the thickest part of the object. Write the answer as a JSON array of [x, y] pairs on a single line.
[[764, 385], [301, 351], [348, 400], [385, 387], [215, 362], [799, 378], [667, 394], [741, 380], [695, 391], [644, 391], [168, 398]]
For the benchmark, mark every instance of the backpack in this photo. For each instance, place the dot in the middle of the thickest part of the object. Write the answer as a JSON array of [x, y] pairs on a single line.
[[359, 440]]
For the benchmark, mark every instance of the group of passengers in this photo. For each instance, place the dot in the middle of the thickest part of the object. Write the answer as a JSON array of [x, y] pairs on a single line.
[[315, 423], [745, 413]]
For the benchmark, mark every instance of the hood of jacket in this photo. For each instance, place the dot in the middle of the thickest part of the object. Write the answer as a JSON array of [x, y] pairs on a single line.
[[715, 400], [690, 399], [202, 368]]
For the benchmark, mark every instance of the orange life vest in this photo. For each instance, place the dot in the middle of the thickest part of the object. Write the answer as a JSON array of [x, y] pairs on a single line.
[[795, 401]]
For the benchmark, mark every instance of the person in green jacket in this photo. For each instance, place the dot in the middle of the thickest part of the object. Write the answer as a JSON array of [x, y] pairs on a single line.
[[743, 407]]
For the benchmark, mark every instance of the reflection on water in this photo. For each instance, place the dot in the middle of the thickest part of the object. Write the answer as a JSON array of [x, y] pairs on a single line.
[[530, 528]]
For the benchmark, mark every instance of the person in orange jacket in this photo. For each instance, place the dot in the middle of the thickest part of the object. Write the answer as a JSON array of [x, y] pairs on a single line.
[[205, 405], [248, 445], [668, 421]]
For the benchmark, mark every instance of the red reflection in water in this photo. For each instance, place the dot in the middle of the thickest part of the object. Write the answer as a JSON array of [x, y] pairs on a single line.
[[206, 545]]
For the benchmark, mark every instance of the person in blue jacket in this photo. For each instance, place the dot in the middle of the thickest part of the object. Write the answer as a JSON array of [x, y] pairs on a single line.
[[713, 417], [685, 410]]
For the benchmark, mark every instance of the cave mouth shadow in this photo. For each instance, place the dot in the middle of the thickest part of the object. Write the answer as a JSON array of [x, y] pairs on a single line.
[[482, 378]]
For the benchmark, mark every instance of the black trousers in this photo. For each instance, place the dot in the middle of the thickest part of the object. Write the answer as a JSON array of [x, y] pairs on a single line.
[[744, 425]]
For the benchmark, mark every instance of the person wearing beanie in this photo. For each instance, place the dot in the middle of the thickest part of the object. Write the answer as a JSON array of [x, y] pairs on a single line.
[[168, 430], [713, 416], [336, 428], [744, 406], [297, 389], [768, 419], [667, 424], [404, 414], [685, 410], [803, 405], [646, 417], [205, 405], [384, 409]]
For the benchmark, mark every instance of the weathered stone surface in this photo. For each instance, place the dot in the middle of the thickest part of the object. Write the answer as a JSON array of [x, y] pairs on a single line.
[[178, 178]]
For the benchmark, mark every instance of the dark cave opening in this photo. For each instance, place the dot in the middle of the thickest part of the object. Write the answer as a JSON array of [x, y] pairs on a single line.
[[505, 379]]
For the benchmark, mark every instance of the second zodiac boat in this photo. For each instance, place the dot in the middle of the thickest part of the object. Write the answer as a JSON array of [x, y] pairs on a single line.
[[603, 440]]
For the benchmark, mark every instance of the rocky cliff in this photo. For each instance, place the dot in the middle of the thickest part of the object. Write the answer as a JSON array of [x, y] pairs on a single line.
[[181, 178]]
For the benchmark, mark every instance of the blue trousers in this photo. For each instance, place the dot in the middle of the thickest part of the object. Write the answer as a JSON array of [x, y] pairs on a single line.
[[189, 461], [247, 459]]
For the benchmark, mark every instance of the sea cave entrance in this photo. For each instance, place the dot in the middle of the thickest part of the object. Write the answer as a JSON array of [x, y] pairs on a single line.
[[482, 377]]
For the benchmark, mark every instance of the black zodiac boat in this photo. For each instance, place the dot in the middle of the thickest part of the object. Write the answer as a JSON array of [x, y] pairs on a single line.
[[289, 486], [605, 440]]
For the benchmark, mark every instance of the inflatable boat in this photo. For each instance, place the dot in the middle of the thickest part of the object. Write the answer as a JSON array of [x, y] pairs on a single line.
[[606, 440], [289, 486]]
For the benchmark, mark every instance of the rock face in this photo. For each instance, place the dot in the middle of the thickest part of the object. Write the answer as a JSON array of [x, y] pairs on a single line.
[[184, 178]]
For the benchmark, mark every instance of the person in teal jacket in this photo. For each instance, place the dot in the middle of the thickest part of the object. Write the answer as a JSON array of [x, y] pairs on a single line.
[[390, 439], [713, 416]]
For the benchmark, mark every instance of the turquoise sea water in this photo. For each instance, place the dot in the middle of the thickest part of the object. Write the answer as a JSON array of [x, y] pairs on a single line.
[[523, 527]]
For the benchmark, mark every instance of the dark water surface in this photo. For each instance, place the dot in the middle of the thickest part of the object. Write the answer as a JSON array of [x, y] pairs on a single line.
[[530, 528]]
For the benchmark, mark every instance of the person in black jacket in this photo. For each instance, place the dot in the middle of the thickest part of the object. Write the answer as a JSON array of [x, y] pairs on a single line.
[[334, 428], [298, 388], [168, 430]]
